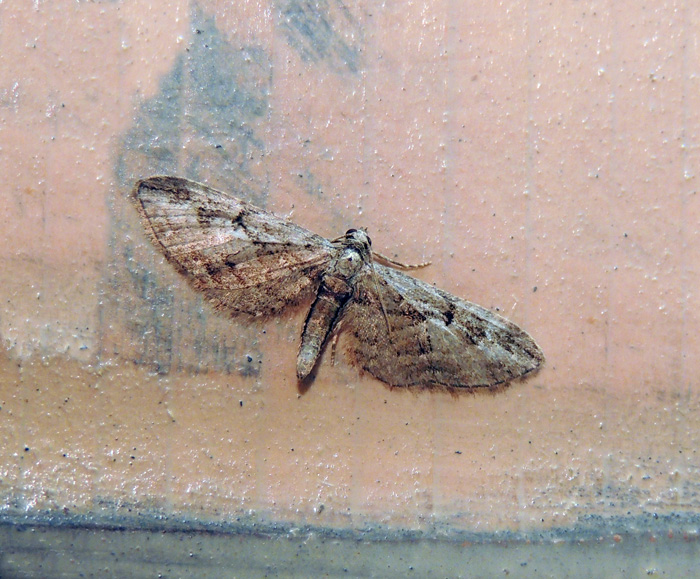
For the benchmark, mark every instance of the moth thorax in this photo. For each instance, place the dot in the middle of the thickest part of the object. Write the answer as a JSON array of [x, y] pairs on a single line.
[[349, 263], [337, 286]]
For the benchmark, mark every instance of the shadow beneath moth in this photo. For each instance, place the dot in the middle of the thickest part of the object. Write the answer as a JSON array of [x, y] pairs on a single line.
[[402, 331]]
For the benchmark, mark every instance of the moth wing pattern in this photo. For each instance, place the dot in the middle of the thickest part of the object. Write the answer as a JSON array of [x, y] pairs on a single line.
[[408, 333], [242, 258]]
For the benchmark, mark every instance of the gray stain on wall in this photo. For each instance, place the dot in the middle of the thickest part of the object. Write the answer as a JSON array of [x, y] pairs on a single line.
[[322, 31], [208, 121]]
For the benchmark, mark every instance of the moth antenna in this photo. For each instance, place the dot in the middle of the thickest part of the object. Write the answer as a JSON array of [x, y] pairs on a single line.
[[384, 260]]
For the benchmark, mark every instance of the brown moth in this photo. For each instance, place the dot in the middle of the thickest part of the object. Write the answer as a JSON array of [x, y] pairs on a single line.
[[401, 330]]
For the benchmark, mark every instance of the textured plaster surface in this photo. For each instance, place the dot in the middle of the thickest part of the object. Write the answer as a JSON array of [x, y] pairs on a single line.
[[542, 157]]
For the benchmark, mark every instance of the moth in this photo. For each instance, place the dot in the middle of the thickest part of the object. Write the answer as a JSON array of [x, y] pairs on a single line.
[[404, 332]]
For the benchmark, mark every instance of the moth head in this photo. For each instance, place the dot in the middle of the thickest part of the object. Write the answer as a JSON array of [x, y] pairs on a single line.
[[358, 236]]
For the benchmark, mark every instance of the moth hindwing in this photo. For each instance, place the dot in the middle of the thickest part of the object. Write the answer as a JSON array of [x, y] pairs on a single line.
[[248, 262]]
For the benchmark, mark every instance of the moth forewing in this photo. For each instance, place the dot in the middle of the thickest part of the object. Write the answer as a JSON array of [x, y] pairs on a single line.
[[433, 338], [244, 259]]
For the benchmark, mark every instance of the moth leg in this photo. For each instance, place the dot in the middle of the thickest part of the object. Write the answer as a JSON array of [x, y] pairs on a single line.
[[335, 336], [384, 260]]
